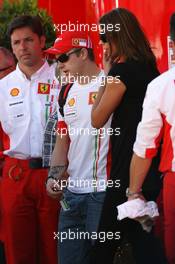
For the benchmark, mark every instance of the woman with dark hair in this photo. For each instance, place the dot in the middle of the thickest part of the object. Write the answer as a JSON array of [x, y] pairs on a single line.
[[127, 55]]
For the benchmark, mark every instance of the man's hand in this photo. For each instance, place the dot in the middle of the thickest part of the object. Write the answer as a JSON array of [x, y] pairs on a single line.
[[53, 189]]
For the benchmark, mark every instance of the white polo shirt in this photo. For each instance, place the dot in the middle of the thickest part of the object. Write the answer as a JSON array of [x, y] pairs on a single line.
[[89, 153], [25, 107], [158, 122]]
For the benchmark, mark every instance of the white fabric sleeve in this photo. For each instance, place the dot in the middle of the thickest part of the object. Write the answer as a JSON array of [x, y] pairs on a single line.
[[149, 131]]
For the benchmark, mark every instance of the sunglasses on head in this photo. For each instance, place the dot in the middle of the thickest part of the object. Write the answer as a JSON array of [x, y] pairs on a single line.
[[103, 38], [65, 56], [172, 37]]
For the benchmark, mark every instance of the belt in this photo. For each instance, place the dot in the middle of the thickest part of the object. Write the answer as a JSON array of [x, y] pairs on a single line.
[[16, 170], [35, 163]]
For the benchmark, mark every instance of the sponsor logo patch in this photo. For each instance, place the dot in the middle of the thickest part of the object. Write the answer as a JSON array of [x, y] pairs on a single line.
[[71, 102], [92, 97], [79, 42], [75, 42], [43, 88], [14, 92]]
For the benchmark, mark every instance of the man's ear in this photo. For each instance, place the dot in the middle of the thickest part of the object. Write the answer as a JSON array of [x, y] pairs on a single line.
[[84, 53], [43, 41]]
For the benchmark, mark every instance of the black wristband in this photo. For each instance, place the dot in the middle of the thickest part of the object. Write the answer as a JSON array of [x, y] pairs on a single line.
[[50, 177]]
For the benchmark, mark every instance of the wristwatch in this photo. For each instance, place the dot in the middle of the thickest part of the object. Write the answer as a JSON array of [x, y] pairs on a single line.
[[50, 177], [133, 194]]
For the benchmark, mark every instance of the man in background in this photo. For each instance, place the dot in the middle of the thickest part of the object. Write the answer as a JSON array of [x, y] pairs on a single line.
[[158, 123], [7, 62], [27, 97], [7, 65]]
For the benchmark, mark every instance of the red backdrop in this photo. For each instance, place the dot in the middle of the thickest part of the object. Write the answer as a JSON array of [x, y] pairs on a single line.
[[153, 15], [79, 11]]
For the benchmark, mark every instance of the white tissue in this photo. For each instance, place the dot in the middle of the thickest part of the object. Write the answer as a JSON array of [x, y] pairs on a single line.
[[137, 208]]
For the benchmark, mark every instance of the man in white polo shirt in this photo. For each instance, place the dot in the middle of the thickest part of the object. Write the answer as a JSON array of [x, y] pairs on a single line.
[[7, 65], [158, 125], [80, 149], [27, 97]]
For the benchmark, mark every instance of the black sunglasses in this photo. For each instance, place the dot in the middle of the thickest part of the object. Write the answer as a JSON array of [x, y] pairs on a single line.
[[65, 56], [103, 38]]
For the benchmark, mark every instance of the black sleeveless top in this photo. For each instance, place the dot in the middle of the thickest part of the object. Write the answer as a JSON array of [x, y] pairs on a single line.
[[135, 76]]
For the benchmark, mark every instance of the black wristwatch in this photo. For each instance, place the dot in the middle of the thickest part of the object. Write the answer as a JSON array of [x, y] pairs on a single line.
[[50, 177]]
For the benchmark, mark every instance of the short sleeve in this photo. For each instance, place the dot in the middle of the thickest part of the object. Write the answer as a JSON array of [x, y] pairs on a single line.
[[61, 124]]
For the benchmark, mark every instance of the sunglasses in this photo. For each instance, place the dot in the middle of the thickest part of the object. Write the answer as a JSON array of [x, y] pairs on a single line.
[[103, 38], [65, 56]]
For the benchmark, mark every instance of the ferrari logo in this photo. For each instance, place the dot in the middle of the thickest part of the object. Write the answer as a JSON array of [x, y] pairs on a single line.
[[92, 97], [75, 42], [43, 88]]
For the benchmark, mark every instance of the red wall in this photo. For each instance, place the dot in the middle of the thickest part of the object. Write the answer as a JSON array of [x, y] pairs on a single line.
[[83, 11], [64, 10], [154, 16]]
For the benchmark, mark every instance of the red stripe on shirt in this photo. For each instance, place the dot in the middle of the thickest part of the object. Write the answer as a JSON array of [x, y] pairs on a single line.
[[98, 153], [109, 161], [151, 152], [167, 148]]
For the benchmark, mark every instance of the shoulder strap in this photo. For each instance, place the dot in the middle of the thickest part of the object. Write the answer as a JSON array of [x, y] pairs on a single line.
[[63, 96]]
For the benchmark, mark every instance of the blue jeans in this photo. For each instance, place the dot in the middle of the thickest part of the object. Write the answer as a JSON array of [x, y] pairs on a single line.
[[76, 226]]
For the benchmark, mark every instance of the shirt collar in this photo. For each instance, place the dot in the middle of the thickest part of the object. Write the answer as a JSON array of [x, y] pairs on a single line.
[[36, 75]]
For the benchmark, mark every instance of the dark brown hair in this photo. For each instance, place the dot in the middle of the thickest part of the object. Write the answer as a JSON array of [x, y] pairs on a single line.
[[130, 40], [33, 22], [172, 26]]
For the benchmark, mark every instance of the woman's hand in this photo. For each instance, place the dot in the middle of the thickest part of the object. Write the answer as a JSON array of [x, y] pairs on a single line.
[[107, 62]]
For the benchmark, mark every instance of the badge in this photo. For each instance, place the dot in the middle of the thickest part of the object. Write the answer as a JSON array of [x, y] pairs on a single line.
[[92, 97], [14, 92], [71, 102], [43, 88], [79, 42], [75, 42]]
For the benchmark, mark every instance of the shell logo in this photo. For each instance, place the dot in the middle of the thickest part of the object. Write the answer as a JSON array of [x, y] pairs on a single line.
[[14, 92], [71, 102]]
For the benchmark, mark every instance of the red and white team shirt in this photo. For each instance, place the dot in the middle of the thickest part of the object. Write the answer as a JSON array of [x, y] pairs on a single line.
[[88, 154], [25, 107], [158, 121]]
